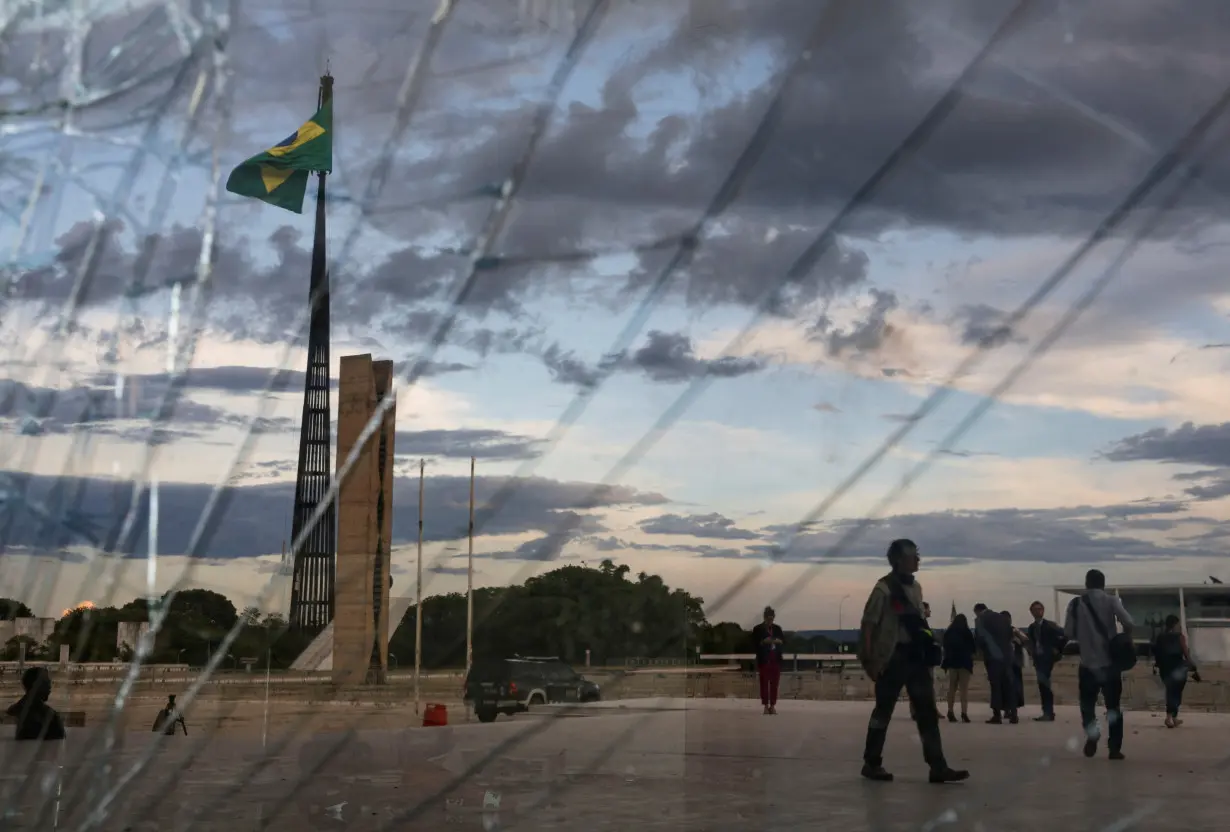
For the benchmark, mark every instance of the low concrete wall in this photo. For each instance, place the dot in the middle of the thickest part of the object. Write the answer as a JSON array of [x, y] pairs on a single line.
[[1142, 690]]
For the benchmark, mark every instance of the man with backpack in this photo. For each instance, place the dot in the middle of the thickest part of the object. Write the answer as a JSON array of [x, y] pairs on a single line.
[[1105, 656], [898, 650]]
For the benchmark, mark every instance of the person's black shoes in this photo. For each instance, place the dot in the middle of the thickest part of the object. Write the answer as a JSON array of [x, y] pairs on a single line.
[[877, 773], [948, 775], [965, 718], [995, 720], [1045, 718], [1116, 755], [1091, 747], [952, 717], [1013, 720]]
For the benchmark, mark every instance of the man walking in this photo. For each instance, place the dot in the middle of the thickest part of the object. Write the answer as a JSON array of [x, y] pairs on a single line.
[[1090, 622], [896, 650], [768, 638], [1046, 640], [993, 633]]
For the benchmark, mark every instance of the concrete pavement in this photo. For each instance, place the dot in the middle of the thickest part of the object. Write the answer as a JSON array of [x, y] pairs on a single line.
[[704, 764]]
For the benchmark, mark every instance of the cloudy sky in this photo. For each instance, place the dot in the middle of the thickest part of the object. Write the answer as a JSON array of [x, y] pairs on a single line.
[[712, 332]]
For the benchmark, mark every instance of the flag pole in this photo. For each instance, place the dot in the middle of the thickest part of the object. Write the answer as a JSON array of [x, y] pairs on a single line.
[[470, 579], [315, 560], [418, 599]]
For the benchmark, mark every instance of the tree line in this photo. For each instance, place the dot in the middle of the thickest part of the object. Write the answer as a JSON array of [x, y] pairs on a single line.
[[564, 613]]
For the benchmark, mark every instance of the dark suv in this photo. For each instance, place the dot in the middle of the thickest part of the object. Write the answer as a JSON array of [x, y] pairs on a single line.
[[509, 686]]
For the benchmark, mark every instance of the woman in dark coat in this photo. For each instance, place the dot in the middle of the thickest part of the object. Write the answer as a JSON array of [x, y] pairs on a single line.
[[767, 640], [959, 663], [1019, 640]]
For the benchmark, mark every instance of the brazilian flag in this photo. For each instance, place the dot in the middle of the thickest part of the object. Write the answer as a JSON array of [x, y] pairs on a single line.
[[279, 176]]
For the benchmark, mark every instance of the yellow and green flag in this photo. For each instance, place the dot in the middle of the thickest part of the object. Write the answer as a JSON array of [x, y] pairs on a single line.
[[279, 175]]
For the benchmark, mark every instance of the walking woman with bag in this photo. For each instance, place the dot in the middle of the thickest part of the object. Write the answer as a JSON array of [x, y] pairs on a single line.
[[959, 664], [1173, 661]]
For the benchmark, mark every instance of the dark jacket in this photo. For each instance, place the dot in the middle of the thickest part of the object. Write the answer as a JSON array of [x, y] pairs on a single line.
[[168, 720], [958, 649], [36, 720], [1168, 652], [994, 637], [764, 652], [1047, 641]]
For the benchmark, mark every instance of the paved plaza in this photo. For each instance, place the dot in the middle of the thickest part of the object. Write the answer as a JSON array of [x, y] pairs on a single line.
[[641, 764]]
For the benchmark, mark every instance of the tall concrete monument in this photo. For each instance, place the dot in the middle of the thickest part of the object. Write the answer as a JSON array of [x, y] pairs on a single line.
[[364, 524]]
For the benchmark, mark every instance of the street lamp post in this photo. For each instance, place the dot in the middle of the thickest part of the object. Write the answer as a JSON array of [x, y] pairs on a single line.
[[839, 605]]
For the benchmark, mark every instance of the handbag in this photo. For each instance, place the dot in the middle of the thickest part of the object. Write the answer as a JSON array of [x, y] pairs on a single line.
[[1122, 648]]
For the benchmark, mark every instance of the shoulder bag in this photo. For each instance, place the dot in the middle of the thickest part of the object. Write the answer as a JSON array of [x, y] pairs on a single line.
[[1122, 648]]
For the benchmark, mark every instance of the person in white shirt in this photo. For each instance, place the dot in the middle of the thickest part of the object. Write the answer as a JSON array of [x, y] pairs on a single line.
[[1090, 622]]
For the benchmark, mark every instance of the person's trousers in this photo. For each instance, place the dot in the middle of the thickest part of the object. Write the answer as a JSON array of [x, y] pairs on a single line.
[[915, 677], [1175, 681], [1018, 685], [1109, 683], [770, 674], [958, 683], [1046, 694], [1003, 687]]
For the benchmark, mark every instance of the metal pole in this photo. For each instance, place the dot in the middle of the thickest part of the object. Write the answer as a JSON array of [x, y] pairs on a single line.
[[265, 726], [418, 598], [470, 579]]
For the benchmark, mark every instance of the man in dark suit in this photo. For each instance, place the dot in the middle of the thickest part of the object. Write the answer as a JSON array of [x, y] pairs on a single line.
[[993, 633], [1046, 640]]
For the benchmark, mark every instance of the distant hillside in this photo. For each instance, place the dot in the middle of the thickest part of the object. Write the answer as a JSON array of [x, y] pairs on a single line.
[[839, 636]]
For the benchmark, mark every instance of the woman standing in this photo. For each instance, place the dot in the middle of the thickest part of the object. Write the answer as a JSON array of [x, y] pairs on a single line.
[[1173, 662], [1019, 640], [959, 662], [768, 639]]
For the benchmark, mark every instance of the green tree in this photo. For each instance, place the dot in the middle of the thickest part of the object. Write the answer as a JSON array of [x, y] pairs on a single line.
[[562, 613], [10, 609], [90, 634], [11, 651]]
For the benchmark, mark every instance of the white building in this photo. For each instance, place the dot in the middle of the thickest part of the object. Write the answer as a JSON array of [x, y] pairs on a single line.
[[39, 629], [1203, 611]]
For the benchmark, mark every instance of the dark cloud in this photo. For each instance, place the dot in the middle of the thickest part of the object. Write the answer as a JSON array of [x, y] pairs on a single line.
[[566, 368], [37, 410], [254, 302], [862, 337], [617, 544], [697, 525], [233, 379], [551, 545], [1188, 444], [665, 357], [1078, 535], [247, 379], [865, 89], [463, 443], [255, 519], [441, 569], [984, 325], [668, 357]]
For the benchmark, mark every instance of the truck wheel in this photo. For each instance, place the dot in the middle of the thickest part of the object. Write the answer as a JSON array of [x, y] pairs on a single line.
[[486, 714]]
